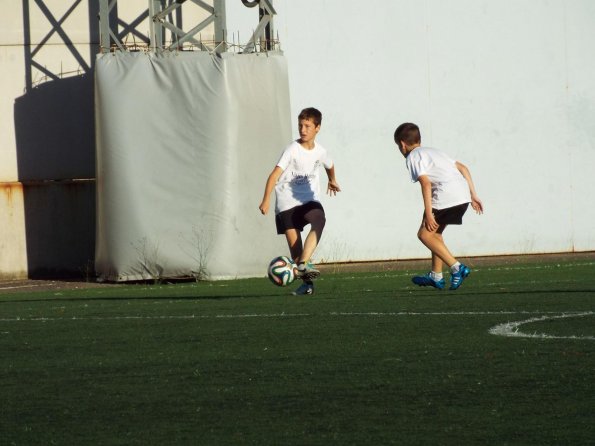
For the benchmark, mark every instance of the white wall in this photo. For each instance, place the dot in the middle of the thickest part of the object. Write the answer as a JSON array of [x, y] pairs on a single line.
[[506, 87]]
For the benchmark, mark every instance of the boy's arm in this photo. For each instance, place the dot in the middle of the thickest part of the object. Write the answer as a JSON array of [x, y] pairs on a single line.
[[268, 189], [426, 191], [476, 203], [333, 186]]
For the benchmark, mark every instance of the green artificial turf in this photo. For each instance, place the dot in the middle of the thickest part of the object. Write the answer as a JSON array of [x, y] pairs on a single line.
[[369, 360]]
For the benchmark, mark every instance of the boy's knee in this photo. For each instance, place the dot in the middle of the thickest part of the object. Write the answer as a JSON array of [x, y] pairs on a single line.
[[426, 236], [317, 220], [322, 221], [421, 235]]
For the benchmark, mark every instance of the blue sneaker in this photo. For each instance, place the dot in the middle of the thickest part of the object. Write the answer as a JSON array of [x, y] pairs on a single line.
[[304, 289], [426, 280], [456, 279]]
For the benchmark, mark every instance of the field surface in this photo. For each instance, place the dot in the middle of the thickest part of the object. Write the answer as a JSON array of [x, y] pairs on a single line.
[[370, 359]]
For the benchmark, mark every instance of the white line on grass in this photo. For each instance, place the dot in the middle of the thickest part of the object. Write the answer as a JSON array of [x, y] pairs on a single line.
[[511, 329], [16, 287], [162, 317], [532, 267], [278, 315], [440, 313], [508, 329]]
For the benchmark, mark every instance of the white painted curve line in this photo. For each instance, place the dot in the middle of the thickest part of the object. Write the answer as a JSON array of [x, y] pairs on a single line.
[[511, 329]]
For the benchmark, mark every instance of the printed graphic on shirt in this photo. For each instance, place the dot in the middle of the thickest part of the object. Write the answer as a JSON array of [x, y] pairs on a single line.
[[299, 182]]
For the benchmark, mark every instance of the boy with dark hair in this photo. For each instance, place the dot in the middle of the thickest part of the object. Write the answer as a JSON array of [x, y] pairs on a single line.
[[295, 180], [447, 189]]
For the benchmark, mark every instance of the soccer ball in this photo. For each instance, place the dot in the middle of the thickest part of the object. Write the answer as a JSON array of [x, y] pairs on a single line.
[[281, 271]]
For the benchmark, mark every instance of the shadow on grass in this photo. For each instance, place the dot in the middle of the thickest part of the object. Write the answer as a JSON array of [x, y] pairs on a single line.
[[137, 298], [257, 295]]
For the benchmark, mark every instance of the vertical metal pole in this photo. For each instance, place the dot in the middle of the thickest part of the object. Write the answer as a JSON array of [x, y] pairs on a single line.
[[269, 32], [155, 27], [104, 28], [27, 46], [220, 25]]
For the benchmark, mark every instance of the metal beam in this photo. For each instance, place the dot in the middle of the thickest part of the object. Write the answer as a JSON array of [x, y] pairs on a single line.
[[160, 20], [109, 37], [258, 33], [163, 20], [264, 32], [104, 37], [187, 36], [220, 26]]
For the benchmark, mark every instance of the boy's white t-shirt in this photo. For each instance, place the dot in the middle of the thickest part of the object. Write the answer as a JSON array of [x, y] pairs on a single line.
[[299, 183], [449, 186]]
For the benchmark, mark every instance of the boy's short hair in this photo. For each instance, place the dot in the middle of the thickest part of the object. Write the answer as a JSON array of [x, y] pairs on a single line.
[[311, 113], [409, 133]]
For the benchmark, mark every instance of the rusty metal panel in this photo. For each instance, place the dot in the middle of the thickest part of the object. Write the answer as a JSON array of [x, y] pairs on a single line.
[[13, 258]]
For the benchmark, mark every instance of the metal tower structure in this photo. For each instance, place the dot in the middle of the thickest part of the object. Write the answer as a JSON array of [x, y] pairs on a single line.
[[165, 20]]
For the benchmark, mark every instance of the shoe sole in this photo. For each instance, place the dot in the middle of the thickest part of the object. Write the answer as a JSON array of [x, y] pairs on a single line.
[[429, 284], [310, 275]]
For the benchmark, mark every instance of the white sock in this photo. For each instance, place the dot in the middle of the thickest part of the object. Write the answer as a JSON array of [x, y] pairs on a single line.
[[455, 268], [436, 276]]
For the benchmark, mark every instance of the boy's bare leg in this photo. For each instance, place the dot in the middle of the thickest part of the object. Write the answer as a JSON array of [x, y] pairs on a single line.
[[294, 241], [309, 245], [437, 263], [317, 221], [435, 243], [305, 271]]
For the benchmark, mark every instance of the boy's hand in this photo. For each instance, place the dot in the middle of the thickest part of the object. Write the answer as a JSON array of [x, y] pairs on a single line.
[[430, 223], [476, 204], [333, 188], [264, 207]]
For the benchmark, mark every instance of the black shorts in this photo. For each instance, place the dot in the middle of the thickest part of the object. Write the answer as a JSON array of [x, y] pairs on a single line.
[[295, 218], [450, 216]]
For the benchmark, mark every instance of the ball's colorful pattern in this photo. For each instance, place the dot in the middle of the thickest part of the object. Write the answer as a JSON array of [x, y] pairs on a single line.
[[281, 271]]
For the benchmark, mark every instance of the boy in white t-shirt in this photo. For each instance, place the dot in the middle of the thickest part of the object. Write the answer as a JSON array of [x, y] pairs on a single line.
[[447, 189], [295, 180]]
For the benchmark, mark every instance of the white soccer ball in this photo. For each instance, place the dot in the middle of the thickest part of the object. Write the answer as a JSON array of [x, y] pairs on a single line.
[[281, 271]]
